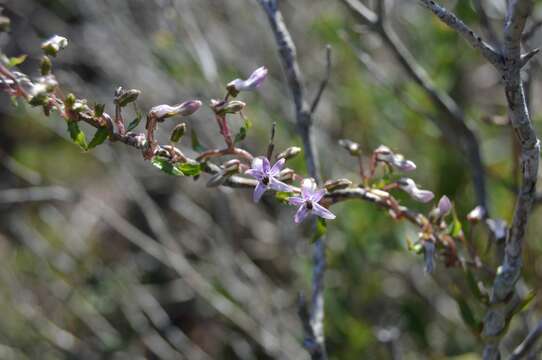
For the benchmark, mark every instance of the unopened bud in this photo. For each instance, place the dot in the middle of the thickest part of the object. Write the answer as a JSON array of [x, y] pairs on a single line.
[[253, 82], [45, 65], [232, 166], [70, 101], [39, 95], [289, 153], [80, 105], [127, 97], [398, 161], [286, 174], [233, 107], [54, 45], [409, 186], [352, 147], [162, 112], [5, 24], [332, 185], [476, 214], [99, 109], [178, 132], [444, 205]]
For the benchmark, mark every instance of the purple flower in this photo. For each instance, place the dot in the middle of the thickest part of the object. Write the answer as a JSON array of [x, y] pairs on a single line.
[[266, 176], [253, 82], [186, 108], [308, 202]]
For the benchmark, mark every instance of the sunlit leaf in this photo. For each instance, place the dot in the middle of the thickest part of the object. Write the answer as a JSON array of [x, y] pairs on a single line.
[[190, 169], [99, 137], [77, 135], [166, 166], [16, 61]]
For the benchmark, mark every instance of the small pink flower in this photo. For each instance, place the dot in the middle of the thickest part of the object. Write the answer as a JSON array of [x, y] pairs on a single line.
[[267, 176], [383, 153], [308, 202], [253, 82]]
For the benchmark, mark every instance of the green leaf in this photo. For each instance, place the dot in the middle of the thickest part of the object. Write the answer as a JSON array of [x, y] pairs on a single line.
[[320, 229], [455, 227], [99, 137], [16, 61], [166, 166], [196, 146], [77, 135], [282, 196], [133, 124], [190, 169], [242, 134]]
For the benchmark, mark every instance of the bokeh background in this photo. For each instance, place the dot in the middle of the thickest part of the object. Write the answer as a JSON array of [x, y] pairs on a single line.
[[105, 257]]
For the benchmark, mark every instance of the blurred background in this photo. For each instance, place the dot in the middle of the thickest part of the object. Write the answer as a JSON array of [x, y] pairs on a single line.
[[105, 257]]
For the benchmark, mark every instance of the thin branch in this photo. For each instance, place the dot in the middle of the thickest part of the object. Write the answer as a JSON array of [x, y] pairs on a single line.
[[450, 19], [304, 120], [324, 82], [486, 24], [504, 285], [526, 345]]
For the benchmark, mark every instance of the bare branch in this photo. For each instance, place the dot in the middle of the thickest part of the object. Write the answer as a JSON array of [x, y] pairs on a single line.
[[324, 82], [304, 120], [450, 19]]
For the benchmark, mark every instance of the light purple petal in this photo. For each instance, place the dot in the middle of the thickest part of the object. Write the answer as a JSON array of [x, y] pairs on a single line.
[[275, 170], [322, 212], [423, 195], [301, 214], [265, 165], [279, 185], [308, 186], [296, 200], [255, 173], [257, 163], [257, 77], [258, 192], [318, 195]]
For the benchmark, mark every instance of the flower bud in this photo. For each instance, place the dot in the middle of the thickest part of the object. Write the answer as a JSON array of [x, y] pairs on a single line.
[[39, 95], [253, 82], [162, 112], [233, 107], [178, 132], [286, 174], [46, 65], [338, 184], [498, 228], [352, 147], [409, 186], [289, 153], [476, 214], [70, 101], [232, 166], [444, 205], [54, 45], [126, 97], [398, 161]]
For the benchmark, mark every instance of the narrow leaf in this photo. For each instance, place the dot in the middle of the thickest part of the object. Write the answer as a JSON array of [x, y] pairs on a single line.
[[196, 146], [190, 169], [77, 135], [320, 229], [16, 61], [99, 137], [166, 166]]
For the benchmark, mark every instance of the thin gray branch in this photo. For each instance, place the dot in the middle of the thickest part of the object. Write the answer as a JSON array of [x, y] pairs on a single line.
[[324, 82], [449, 18], [526, 345], [486, 24], [304, 120]]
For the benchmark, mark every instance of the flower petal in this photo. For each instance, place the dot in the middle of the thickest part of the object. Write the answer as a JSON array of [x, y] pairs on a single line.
[[422, 195], [255, 173], [257, 163], [265, 165], [279, 185], [296, 200], [322, 212], [308, 186], [258, 191], [275, 170], [318, 195], [301, 214]]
